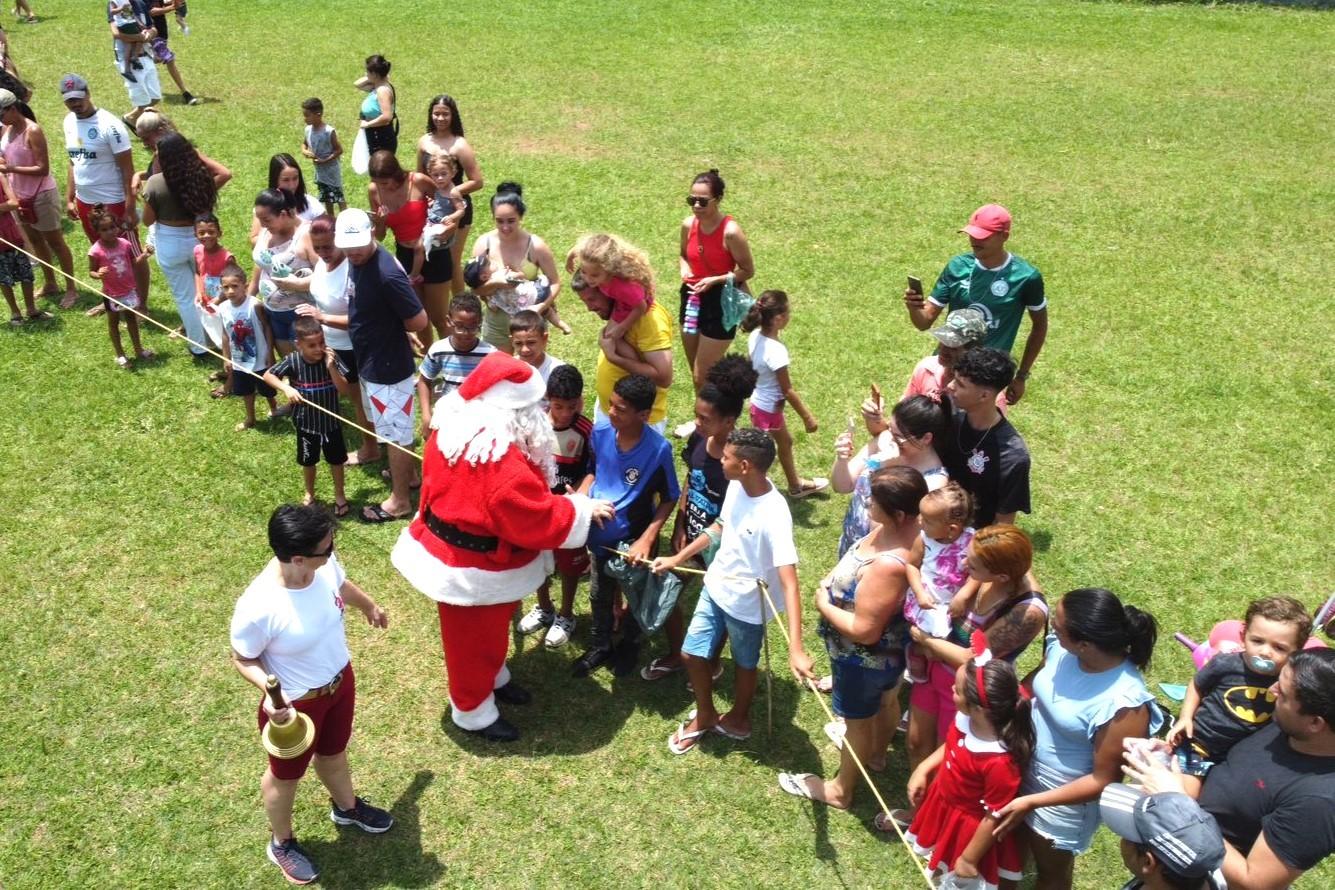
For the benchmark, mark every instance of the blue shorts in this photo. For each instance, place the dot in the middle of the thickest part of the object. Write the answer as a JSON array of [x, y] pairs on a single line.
[[858, 689], [705, 634], [281, 321]]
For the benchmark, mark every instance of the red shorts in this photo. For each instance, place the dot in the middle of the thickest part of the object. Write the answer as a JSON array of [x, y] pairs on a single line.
[[332, 716], [573, 561], [131, 233]]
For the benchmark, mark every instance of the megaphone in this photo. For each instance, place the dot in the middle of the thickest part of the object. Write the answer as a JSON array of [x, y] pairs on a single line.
[[285, 740]]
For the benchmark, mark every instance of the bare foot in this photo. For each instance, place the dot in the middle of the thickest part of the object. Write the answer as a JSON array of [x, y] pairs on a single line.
[[245, 425], [50, 290], [564, 328], [308, 499], [97, 310], [363, 457], [822, 791]]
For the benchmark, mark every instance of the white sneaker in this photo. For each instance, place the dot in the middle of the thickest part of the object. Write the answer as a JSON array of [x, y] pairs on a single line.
[[684, 431], [536, 619], [559, 633]]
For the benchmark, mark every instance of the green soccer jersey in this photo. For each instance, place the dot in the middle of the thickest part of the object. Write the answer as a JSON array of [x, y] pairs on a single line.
[[1001, 294]]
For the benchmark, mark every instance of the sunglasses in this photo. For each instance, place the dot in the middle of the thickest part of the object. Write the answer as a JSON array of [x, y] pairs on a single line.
[[323, 553], [695, 201]]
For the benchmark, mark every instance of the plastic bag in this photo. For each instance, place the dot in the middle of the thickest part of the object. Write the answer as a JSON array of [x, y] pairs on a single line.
[[361, 154]]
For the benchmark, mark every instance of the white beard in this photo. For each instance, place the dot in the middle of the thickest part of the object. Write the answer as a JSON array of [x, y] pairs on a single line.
[[482, 433]]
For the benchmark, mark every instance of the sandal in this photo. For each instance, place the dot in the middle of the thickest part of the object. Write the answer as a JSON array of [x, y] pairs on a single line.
[[825, 685], [902, 819], [219, 392], [729, 734], [718, 672], [657, 669], [16, 320], [147, 354], [97, 310], [807, 487], [342, 510], [796, 784], [378, 515], [683, 742], [40, 315], [123, 362]]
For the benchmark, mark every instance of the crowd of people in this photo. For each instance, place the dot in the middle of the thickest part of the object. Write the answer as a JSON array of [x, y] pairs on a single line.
[[522, 480]]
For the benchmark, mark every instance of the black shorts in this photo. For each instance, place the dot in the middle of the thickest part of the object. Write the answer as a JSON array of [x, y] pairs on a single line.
[[244, 384], [309, 446], [349, 358], [437, 268], [711, 313], [467, 219], [384, 137]]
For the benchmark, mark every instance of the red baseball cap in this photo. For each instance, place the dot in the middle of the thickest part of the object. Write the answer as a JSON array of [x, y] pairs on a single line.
[[987, 221]]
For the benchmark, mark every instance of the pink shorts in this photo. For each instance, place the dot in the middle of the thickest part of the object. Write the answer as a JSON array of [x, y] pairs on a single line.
[[767, 420], [936, 697]]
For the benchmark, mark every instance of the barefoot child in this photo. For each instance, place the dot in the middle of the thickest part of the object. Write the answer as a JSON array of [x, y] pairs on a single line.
[[756, 541], [565, 408], [984, 757], [247, 343], [320, 143], [1231, 696], [937, 568], [316, 376], [622, 273], [774, 386], [112, 261]]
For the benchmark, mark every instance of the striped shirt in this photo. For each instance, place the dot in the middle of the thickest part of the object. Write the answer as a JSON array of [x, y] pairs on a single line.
[[312, 381], [446, 368]]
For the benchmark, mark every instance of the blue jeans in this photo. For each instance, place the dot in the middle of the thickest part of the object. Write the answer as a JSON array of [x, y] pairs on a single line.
[[858, 689]]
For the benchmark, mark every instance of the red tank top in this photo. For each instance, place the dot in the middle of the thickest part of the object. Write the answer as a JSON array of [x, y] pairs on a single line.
[[707, 254], [408, 221]]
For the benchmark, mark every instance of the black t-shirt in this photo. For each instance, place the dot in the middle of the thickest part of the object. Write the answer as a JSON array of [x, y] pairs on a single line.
[[705, 486], [382, 300], [1235, 702], [992, 465], [1264, 785]]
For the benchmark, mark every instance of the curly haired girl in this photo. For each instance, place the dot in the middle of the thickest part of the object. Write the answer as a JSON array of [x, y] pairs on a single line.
[[621, 271]]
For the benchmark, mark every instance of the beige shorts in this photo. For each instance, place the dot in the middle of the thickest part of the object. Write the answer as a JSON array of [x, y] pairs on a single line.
[[49, 209]]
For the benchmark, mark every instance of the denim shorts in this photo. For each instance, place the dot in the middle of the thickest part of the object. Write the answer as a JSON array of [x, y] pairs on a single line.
[[705, 633], [858, 690], [281, 322]]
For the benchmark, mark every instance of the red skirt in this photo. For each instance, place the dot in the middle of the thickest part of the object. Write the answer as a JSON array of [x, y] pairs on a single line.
[[941, 832]]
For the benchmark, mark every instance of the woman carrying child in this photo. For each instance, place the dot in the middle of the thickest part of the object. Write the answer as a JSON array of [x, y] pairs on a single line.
[[399, 202], [445, 133], [861, 604], [282, 253], [774, 386], [962, 786], [505, 260], [1089, 696]]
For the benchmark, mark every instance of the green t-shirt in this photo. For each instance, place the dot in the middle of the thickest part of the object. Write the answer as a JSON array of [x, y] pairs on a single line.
[[1002, 295]]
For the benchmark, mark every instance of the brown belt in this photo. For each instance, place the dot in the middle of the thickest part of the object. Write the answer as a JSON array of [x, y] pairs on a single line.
[[327, 689]]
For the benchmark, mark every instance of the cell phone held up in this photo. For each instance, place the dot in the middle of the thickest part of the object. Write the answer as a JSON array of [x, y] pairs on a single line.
[[915, 285]]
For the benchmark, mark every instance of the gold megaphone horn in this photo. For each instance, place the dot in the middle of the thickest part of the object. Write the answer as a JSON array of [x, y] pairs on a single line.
[[290, 739]]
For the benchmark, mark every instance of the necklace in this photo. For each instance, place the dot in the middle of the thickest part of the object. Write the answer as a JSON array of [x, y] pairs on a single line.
[[977, 459]]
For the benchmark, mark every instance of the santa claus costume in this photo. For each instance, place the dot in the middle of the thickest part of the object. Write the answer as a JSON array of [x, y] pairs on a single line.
[[485, 529], [977, 778]]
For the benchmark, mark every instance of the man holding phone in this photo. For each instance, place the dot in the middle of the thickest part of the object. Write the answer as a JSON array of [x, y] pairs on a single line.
[[994, 281]]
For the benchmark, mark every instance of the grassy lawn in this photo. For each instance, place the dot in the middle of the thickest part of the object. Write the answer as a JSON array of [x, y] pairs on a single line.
[[1162, 162]]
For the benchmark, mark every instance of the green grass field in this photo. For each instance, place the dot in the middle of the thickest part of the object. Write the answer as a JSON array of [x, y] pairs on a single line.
[[1163, 164]]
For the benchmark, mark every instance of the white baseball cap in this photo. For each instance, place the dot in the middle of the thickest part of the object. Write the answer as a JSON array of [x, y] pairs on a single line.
[[352, 229]]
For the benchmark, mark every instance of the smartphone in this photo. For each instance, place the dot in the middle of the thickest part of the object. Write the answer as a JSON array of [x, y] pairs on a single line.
[[915, 284]]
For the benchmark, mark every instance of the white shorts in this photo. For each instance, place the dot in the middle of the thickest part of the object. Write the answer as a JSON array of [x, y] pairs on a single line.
[[147, 89], [392, 409]]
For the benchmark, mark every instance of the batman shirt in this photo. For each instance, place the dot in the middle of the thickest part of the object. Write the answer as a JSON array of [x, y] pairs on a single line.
[[1235, 702]]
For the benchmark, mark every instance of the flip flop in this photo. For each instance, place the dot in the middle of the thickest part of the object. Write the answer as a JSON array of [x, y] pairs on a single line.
[[825, 685], [16, 321], [683, 742], [834, 731], [123, 362], [718, 672], [902, 818], [796, 784], [342, 510], [40, 315], [729, 734], [97, 310], [378, 515], [68, 301], [808, 487], [656, 670], [147, 354]]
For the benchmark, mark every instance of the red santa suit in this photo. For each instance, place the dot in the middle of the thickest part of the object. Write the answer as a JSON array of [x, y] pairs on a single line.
[[487, 524]]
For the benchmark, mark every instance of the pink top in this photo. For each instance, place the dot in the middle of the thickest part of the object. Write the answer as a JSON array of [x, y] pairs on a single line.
[[18, 154], [210, 267], [926, 381], [118, 263], [625, 296]]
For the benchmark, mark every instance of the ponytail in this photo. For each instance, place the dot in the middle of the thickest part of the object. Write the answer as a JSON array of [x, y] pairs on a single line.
[[1143, 632], [1009, 712], [768, 306]]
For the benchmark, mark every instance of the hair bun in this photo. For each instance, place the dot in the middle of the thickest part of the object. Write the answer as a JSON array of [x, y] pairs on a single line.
[[510, 188], [714, 170]]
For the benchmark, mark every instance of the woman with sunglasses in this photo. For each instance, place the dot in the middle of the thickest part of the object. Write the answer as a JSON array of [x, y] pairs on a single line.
[[713, 247]]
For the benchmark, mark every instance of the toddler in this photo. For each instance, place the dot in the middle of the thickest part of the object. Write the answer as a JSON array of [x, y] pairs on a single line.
[[937, 568], [622, 273], [446, 208], [112, 261], [121, 13]]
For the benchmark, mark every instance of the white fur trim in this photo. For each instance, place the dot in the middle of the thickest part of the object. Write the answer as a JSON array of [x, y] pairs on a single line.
[[579, 530], [463, 586], [480, 717], [502, 677], [509, 395]]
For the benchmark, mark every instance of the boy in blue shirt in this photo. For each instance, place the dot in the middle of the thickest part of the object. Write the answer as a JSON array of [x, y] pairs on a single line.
[[631, 467]]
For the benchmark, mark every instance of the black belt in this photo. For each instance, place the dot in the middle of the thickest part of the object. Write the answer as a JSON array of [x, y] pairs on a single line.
[[452, 534]]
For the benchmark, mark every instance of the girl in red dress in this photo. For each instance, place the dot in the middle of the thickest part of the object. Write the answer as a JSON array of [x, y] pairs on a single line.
[[972, 776]]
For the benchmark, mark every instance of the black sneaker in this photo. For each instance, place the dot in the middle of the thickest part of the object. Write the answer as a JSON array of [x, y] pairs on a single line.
[[590, 661], [366, 817], [296, 865], [189, 99]]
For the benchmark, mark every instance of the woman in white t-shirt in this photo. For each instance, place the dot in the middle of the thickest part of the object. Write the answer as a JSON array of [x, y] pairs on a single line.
[[774, 386], [331, 289]]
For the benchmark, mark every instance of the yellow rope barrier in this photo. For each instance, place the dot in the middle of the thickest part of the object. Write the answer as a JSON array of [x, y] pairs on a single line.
[[820, 699], [170, 332]]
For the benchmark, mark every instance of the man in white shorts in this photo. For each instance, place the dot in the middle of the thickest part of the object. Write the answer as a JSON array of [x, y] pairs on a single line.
[[145, 90], [383, 311]]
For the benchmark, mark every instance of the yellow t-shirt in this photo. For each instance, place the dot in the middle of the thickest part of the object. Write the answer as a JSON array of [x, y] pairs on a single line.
[[652, 333]]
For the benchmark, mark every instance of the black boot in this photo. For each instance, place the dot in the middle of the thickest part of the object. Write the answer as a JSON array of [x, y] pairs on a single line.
[[513, 694], [501, 730]]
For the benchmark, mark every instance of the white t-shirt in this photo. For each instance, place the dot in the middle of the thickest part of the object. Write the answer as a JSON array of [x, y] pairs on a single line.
[[331, 290], [757, 539], [548, 363], [767, 356], [296, 634], [249, 347], [92, 144]]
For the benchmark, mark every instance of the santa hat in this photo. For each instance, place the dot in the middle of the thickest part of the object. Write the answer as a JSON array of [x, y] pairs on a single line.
[[503, 381]]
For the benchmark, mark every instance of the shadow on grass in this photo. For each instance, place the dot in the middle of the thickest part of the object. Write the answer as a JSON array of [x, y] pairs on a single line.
[[1041, 538], [393, 859], [804, 510]]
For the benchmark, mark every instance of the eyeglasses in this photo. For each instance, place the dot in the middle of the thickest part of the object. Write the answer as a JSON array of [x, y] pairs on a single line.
[[696, 201], [460, 329]]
